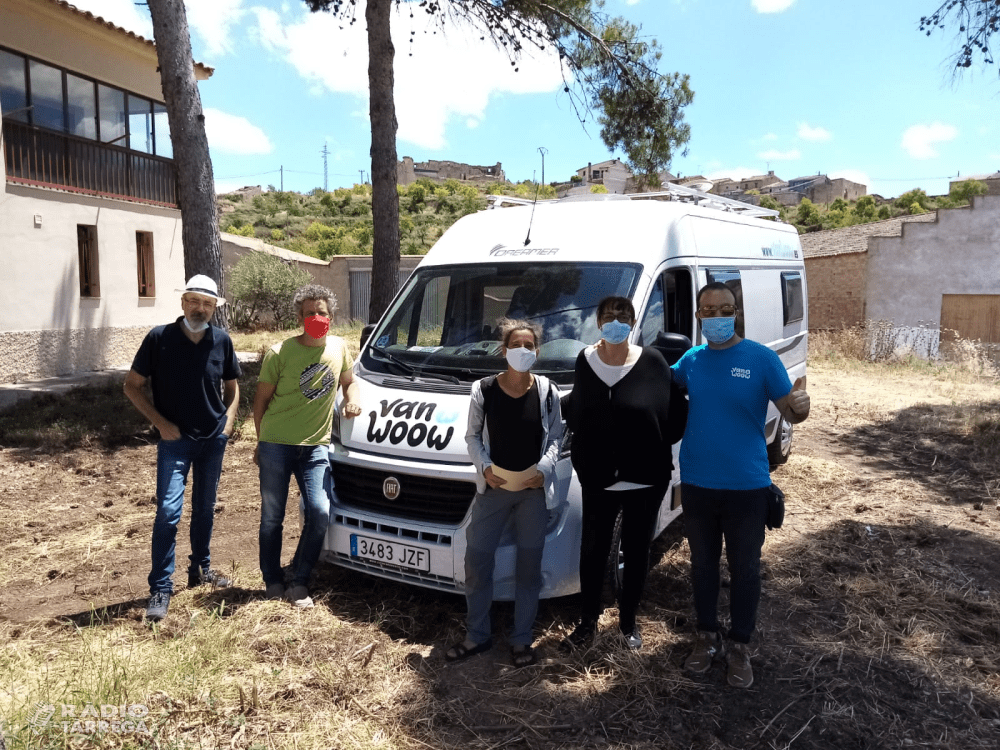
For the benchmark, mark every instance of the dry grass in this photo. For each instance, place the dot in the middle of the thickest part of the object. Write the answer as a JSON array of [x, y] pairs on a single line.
[[880, 620]]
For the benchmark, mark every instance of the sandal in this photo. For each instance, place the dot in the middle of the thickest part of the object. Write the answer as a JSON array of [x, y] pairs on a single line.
[[523, 656], [461, 651]]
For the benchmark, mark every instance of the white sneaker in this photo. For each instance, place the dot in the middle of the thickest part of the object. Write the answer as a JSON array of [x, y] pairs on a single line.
[[299, 597]]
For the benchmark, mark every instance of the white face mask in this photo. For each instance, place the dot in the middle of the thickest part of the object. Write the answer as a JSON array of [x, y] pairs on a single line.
[[197, 326], [521, 359]]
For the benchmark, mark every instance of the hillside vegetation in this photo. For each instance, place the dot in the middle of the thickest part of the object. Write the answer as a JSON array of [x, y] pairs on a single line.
[[323, 224]]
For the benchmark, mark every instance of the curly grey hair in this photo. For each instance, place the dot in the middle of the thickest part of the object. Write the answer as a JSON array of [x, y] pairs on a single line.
[[314, 292], [508, 326]]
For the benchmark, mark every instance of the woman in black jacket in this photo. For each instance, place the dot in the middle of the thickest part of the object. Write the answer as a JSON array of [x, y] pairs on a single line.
[[625, 413]]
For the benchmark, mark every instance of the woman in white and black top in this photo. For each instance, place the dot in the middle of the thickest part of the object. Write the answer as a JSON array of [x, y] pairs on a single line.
[[624, 414], [514, 433]]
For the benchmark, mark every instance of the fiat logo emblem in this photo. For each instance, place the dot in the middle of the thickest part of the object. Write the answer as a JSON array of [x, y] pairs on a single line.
[[391, 488]]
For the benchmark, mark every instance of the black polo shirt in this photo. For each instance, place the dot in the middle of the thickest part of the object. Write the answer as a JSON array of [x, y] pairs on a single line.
[[186, 378]]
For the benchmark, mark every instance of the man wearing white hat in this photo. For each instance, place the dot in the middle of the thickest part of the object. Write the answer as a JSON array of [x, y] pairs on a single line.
[[191, 370]]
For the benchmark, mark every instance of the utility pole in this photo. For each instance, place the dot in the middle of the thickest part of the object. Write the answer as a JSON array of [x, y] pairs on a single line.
[[282, 178], [361, 176], [542, 150], [325, 152]]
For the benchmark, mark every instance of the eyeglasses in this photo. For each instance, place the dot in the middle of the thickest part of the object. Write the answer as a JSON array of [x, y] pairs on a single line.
[[724, 311], [623, 317]]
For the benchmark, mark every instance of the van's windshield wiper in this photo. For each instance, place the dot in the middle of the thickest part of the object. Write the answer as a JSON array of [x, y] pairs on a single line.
[[411, 370]]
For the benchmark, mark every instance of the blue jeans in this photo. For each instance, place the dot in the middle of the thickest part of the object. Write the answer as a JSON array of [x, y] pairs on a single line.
[[737, 516], [490, 513], [310, 464], [174, 458]]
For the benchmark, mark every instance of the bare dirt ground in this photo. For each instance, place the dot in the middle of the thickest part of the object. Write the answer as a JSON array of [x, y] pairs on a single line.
[[879, 623]]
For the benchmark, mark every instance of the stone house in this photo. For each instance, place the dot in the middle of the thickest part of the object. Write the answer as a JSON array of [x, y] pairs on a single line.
[[992, 182], [941, 276], [836, 262], [613, 174], [90, 230], [409, 171]]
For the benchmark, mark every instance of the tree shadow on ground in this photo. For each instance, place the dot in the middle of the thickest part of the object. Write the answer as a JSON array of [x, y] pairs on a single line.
[[950, 449]]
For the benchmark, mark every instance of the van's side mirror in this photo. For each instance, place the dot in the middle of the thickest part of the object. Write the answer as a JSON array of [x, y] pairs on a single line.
[[672, 345], [366, 333]]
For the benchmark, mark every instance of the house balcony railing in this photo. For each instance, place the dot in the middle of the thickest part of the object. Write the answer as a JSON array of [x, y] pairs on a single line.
[[35, 156]]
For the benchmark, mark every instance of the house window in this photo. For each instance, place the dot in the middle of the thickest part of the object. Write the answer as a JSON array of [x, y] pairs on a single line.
[[791, 296], [144, 264], [140, 124], [81, 106], [13, 87], [46, 96], [90, 277]]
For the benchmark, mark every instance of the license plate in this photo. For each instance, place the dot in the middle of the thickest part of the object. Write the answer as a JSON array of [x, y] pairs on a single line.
[[390, 553]]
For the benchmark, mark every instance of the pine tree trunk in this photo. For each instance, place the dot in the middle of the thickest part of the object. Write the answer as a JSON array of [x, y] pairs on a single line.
[[195, 180], [385, 200]]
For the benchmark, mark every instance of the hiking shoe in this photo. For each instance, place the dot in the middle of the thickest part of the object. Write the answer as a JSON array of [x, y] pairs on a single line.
[[740, 673], [581, 637], [156, 610], [274, 591], [214, 578], [299, 597], [634, 639], [709, 646]]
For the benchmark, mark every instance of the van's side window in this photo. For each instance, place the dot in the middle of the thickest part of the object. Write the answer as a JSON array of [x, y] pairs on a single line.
[[791, 296], [669, 307], [653, 320], [731, 278]]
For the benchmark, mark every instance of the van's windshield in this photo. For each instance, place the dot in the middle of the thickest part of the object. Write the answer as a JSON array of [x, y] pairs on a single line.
[[445, 321]]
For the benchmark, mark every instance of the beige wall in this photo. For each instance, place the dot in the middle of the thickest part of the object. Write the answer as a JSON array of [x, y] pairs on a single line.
[[46, 328]]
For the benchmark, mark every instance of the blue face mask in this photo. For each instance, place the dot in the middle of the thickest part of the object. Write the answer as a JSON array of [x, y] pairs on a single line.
[[718, 330], [615, 332]]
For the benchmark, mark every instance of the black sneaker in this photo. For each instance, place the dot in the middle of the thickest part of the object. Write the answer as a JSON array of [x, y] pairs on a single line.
[[213, 578], [581, 637], [159, 602]]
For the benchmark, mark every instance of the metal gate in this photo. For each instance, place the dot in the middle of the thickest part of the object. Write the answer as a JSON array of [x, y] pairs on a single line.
[[361, 291]]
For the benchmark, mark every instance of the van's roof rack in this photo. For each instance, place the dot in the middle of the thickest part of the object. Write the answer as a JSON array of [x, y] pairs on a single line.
[[670, 192]]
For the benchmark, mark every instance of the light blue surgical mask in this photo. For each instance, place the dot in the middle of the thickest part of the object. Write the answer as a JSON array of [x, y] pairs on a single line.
[[718, 330], [521, 359], [615, 332], [196, 326]]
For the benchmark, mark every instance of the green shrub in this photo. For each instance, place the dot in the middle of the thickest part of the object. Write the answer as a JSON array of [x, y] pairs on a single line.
[[243, 231], [963, 192], [277, 235], [263, 284]]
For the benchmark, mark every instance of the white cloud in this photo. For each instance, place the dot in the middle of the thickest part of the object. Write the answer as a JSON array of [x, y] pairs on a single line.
[[918, 140], [443, 81], [819, 134], [768, 138], [213, 22], [771, 6], [854, 175], [122, 13], [234, 135], [775, 155]]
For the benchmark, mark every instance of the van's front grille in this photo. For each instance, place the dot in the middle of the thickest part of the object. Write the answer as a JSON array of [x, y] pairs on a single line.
[[428, 499]]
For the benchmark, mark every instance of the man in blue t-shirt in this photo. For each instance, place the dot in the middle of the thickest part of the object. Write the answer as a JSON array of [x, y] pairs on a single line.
[[725, 472], [191, 370]]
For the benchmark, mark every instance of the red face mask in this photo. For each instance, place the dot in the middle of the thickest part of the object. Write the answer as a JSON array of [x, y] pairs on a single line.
[[317, 326]]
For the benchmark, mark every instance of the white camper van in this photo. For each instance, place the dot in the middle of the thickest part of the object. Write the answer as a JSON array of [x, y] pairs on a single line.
[[403, 480]]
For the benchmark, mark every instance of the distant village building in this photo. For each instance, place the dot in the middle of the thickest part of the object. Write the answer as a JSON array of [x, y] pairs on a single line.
[[818, 188], [992, 182], [409, 171], [613, 174]]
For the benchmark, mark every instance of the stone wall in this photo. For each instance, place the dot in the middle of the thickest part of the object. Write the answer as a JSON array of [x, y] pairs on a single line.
[[836, 286], [29, 355], [409, 171]]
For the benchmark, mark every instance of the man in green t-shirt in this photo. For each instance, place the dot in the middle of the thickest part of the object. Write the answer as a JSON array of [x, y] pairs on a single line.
[[293, 412]]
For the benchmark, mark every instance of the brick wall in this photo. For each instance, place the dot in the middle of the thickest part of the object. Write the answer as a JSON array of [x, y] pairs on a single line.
[[836, 290]]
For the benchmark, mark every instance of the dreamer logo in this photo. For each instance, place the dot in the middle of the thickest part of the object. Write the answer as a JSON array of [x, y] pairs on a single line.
[[740, 372]]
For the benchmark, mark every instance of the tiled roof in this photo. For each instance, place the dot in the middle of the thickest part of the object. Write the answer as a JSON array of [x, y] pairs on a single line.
[[119, 29], [855, 239]]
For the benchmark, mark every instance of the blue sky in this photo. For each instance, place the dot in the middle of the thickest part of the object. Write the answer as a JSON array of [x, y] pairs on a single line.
[[801, 87]]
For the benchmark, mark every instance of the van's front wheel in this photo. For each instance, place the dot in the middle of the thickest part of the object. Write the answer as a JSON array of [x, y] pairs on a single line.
[[779, 449]]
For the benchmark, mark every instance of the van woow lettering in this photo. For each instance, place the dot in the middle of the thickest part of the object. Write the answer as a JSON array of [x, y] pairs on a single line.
[[399, 430]]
